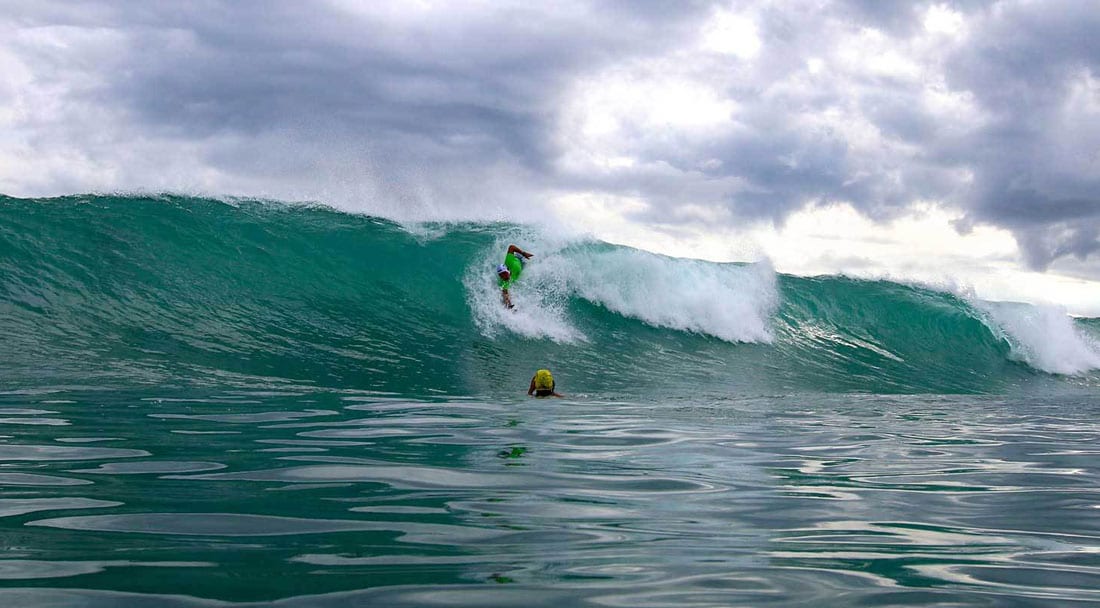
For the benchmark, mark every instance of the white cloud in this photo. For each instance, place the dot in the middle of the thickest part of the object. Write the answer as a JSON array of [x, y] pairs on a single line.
[[645, 96], [872, 53], [940, 19], [731, 34]]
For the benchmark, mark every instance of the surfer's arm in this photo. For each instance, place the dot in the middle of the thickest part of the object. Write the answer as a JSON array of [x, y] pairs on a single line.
[[505, 297], [514, 249], [531, 389]]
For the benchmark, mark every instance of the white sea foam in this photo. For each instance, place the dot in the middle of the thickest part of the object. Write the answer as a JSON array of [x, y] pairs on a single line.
[[536, 315], [727, 301], [1045, 337]]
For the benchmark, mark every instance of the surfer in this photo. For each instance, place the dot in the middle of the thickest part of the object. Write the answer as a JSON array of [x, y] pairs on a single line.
[[542, 384], [509, 271]]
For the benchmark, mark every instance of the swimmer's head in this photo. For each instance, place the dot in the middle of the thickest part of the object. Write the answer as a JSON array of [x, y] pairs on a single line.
[[503, 272]]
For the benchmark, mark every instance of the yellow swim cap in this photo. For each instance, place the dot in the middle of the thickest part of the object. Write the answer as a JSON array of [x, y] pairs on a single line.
[[544, 380]]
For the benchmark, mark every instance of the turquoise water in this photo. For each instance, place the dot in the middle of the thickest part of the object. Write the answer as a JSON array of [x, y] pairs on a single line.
[[206, 404]]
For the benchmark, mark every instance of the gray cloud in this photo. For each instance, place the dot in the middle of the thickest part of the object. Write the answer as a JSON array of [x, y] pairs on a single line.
[[408, 96], [1037, 161], [457, 111], [1029, 161]]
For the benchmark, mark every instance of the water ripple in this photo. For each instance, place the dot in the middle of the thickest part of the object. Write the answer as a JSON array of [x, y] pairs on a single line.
[[797, 501], [40, 453]]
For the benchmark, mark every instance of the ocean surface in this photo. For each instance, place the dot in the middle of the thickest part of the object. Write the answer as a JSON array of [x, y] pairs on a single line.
[[230, 402]]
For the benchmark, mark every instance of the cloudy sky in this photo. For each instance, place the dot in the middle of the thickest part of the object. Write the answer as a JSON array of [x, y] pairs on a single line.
[[956, 143]]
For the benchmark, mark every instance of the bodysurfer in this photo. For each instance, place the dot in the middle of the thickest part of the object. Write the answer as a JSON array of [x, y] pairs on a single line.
[[542, 384], [509, 271]]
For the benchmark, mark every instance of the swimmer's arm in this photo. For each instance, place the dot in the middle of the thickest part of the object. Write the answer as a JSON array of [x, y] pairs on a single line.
[[514, 249], [531, 389]]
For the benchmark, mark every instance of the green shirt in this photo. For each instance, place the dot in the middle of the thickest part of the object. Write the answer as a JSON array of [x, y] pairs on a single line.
[[515, 268]]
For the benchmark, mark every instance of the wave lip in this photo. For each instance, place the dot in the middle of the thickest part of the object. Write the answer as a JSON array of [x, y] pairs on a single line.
[[732, 302], [1045, 338]]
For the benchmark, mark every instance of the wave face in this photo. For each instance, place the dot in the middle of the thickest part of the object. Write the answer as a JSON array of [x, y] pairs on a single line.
[[114, 290]]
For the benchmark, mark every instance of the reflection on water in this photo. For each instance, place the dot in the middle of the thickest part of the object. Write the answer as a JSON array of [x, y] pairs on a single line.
[[341, 498]]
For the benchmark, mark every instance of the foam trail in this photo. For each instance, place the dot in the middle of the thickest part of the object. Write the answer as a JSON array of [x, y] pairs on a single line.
[[1045, 337]]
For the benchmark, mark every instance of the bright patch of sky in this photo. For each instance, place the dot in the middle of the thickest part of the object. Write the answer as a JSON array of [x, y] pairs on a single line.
[[731, 34]]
